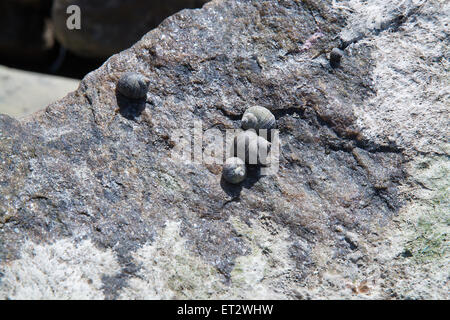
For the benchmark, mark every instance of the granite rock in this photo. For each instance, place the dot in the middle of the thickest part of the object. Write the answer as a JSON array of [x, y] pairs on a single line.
[[358, 171]]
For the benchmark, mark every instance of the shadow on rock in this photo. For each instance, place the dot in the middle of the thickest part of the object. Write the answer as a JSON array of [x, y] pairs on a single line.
[[234, 190], [253, 176], [129, 108]]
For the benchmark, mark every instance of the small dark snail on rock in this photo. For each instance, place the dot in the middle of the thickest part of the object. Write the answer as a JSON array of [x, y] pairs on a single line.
[[258, 118], [335, 57], [133, 85], [234, 170]]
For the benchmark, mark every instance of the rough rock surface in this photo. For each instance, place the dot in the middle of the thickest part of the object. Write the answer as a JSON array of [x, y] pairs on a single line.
[[112, 26], [92, 203]]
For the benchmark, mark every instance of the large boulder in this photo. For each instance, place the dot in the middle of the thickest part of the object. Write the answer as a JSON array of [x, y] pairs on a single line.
[[94, 205], [112, 26], [26, 34]]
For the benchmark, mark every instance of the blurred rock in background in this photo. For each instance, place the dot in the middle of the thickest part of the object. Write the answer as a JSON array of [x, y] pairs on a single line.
[[112, 26], [22, 92], [35, 36], [26, 29]]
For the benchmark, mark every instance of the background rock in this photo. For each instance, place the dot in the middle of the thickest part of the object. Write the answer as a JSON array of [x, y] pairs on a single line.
[[22, 93], [26, 32], [107, 28], [343, 217]]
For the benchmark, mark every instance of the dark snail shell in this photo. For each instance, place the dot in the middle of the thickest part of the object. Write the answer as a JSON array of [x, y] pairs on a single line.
[[335, 57], [258, 118], [133, 85], [251, 148], [234, 170]]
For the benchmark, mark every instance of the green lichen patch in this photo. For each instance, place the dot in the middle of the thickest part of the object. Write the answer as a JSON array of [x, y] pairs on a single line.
[[429, 239]]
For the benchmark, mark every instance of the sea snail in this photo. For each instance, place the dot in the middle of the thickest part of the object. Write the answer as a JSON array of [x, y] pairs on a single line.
[[335, 57], [258, 118], [133, 85], [234, 170], [251, 148]]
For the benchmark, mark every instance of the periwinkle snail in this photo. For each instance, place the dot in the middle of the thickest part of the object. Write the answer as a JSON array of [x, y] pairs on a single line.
[[251, 148], [335, 57], [133, 85], [258, 118], [234, 170]]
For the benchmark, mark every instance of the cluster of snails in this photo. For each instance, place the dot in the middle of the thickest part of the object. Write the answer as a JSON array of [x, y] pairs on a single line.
[[254, 147]]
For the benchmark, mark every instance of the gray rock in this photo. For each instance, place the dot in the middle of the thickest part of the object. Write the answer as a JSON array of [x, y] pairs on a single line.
[[92, 204], [22, 92]]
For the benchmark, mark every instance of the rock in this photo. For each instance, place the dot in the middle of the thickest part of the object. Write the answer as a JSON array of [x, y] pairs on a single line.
[[22, 93], [108, 29], [26, 32], [86, 176]]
